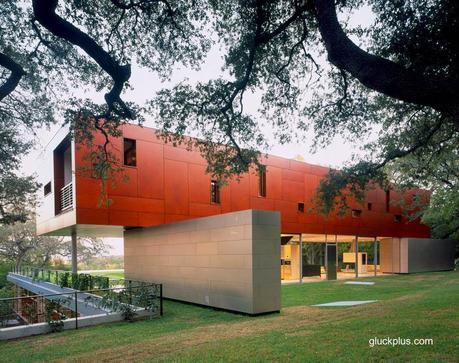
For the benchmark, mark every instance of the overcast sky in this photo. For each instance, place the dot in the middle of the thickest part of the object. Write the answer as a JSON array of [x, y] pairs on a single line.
[[145, 84]]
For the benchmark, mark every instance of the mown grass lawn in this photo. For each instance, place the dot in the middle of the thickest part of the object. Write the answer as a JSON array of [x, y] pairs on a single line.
[[110, 274], [414, 306]]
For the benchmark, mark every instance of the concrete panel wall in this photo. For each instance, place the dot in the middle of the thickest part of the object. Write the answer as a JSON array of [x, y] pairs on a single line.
[[390, 255], [229, 261], [409, 255], [426, 254]]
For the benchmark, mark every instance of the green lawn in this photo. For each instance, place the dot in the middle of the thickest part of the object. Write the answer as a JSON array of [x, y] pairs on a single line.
[[112, 275], [414, 306]]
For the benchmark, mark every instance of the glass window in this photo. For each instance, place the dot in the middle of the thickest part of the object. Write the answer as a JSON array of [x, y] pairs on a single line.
[[370, 206], [130, 156], [214, 192]]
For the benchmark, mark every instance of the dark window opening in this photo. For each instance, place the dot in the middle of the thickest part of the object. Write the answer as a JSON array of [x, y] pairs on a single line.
[[47, 189], [398, 218], [130, 156], [61, 184], [387, 201], [214, 192], [356, 213], [262, 183], [301, 207], [369, 206]]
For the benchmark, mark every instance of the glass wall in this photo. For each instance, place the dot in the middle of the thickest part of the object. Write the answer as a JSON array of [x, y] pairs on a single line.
[[290, 257], [306, 259]]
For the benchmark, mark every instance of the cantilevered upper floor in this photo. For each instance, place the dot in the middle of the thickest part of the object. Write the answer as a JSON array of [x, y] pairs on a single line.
[[167, 183]]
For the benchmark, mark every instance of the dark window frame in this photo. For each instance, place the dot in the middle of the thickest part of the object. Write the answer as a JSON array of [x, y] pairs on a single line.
[[133, 158], [356, 213], [370, 206], [47, 189], [214, 192], [262, 183], [301, 207], [387, 201]]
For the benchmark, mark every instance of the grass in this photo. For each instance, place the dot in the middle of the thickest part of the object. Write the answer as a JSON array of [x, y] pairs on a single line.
[[111, 274], [412, 306]]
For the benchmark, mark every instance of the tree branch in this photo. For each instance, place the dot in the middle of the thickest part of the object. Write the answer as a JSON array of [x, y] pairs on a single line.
[[13, 80], [45, 14], [383, 75], [421, 142]]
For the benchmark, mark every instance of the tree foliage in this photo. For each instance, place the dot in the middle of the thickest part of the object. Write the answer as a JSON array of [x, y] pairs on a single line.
[[48, 49], [395, 86], [20, 244], [399, 76]]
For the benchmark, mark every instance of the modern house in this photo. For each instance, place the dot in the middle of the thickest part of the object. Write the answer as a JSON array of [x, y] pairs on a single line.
[[227, 246]]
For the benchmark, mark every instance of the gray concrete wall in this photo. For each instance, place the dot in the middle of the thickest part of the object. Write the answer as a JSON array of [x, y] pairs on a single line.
[[390, 255], [409, 255], [426, 254], [229, 261]]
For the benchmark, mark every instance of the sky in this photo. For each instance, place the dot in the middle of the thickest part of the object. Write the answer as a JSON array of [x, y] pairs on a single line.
[[144, 85]]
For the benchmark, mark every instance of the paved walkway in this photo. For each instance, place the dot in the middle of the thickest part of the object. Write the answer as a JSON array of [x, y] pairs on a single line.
[[346, 303], [84, 307]]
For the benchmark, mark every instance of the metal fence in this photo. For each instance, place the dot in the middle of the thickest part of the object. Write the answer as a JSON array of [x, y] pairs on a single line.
[[78, 281], [54, 309]]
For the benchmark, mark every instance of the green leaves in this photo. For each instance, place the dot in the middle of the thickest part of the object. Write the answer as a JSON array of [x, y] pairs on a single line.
[[16, 197], [443, 214]]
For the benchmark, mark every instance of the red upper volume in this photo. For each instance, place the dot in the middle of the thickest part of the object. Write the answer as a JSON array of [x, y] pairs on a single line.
[[167, 183]]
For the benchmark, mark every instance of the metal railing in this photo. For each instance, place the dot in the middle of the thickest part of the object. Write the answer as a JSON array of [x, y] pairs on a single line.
[[78, 281], [66, 196], [56, 308]]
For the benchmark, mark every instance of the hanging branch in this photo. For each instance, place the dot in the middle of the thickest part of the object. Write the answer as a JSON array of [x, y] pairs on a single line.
[[13, 80], [45, 14], [383, 75]]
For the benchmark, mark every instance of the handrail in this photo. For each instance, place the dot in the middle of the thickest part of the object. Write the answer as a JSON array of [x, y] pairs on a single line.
[[73, 292], [78, 281], [55, 308]]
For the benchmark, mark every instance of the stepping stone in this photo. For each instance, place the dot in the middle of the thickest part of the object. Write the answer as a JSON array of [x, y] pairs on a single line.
[[346, 303], [359, 283]]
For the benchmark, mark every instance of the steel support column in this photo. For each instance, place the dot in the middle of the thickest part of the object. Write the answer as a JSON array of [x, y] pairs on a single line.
[[356, 256], [74, 253], [326, 255], [301, 258], [375, 254]]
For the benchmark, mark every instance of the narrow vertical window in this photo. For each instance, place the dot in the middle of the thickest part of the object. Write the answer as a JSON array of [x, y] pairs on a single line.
[[262, 183], [301, 207], [387, 201], [214, 192], [130, 154], [369, 206], [47, 189]]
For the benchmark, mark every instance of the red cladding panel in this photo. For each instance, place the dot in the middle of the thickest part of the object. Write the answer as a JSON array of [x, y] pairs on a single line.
[[176, 187], [150, 219], [274, 182], [240, 194], [204, 209], [170, 183], [200, 185], [150, 166]]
